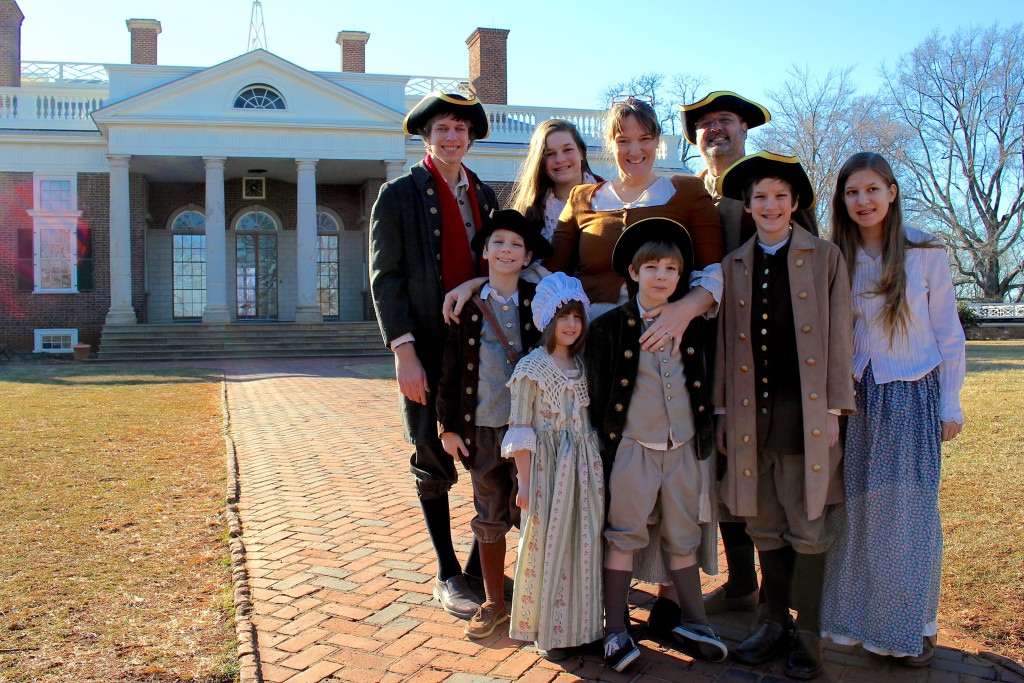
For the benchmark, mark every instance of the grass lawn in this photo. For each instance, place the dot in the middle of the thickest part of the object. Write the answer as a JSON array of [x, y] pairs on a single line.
[[982, 499], [113, 556]]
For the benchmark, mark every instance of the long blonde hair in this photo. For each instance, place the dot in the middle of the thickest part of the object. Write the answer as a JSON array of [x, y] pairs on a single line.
[[892, 285], [532, 183]]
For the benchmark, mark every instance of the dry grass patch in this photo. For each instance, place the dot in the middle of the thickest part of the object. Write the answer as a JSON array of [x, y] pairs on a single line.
[[113, 560], [981, 498]]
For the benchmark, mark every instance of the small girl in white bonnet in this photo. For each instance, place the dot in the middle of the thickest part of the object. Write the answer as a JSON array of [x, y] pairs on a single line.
[[557, 600]]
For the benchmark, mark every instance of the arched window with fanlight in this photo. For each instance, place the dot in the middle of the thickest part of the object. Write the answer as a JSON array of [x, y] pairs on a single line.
[[328, 290], [188, 263], [259, 96]]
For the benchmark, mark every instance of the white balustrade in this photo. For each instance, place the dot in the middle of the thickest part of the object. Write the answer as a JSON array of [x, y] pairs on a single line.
[[997, 311], [63, 73], [50, 107]]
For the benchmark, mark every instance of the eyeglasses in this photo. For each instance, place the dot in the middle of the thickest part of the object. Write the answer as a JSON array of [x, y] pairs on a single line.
[[633, 100]]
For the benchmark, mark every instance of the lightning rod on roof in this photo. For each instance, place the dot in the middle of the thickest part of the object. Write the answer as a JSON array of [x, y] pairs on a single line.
[[257, 31]]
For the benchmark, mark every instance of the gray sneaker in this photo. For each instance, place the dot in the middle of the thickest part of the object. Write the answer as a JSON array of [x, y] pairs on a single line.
[[456, 597], [620, 651], [698, 640]]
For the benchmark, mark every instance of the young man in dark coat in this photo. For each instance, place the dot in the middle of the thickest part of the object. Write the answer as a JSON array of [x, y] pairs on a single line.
[[419, 243]]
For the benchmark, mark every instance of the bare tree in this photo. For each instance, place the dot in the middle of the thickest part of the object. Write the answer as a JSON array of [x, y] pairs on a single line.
[[666, 97], [960, 100], [822, 122]]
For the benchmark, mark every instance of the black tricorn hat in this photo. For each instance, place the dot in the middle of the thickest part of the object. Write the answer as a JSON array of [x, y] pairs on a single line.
[[459, 106], [651, 230], [752, 113], [510, 219], [754, 167]]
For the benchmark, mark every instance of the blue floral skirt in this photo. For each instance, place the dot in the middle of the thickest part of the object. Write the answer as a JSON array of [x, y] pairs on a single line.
[[883, 572]]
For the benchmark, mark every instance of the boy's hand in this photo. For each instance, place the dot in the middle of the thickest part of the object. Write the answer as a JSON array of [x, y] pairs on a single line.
[[412, 379], [832, 429], [453, 445], [720, 434]]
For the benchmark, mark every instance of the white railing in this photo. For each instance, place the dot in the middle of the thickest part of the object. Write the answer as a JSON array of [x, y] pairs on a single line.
[[63, 73], [50, 107], [997, 311], [420, 86]]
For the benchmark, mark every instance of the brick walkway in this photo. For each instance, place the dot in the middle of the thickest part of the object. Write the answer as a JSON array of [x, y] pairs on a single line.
[[340, 565]]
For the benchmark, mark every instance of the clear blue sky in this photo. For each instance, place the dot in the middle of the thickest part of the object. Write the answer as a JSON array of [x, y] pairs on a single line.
[[559, 53]]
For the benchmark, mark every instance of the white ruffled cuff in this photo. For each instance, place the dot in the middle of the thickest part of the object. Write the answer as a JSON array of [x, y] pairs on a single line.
[[518, 439]]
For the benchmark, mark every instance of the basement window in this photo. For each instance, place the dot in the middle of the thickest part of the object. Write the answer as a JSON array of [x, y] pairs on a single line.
[[55, 341]]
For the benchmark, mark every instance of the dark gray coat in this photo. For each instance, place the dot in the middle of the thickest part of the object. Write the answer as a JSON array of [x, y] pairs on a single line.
[[405, 277]]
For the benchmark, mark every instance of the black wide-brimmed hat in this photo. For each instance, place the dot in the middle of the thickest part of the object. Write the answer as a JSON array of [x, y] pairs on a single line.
[[460, 107], [651, 230], [510, 219], [755, 167], [752, 113]]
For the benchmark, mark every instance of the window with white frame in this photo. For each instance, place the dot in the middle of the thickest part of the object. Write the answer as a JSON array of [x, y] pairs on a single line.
[[55, 340], [52, 256]]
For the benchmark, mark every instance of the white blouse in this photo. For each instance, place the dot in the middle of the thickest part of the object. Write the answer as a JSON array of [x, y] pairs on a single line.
[[934, 336]]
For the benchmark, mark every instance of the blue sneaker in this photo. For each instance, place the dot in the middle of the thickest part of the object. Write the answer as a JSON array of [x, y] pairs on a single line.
[[698, 640], [620, 651]]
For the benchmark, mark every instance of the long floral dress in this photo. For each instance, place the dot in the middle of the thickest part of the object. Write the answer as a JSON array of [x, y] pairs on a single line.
[[557, 600]]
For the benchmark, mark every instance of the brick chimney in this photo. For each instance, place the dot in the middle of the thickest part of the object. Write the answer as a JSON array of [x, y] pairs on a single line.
[[144, 33], [353, 51], [10, 44], [488, 64]]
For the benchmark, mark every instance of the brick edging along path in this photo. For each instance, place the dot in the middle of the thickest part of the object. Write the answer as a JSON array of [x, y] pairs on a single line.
[[338, 565]]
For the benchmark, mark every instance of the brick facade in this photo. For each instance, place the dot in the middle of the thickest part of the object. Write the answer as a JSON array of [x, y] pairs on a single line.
[[10, 44], [144, 33], [488, 64], [353, 51]]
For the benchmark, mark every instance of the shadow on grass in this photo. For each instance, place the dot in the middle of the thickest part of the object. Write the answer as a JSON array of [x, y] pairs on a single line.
[[104, 375]]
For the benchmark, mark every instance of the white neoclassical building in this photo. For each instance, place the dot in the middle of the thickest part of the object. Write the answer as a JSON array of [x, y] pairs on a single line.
[[150, 195]]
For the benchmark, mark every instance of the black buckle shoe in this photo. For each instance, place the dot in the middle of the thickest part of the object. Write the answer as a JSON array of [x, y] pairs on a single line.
[[763, 645], [804, 662]]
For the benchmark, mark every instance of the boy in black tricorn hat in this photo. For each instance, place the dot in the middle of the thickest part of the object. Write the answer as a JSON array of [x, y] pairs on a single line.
[[420, 232], [473, 401], [783, 376], [652, 413]]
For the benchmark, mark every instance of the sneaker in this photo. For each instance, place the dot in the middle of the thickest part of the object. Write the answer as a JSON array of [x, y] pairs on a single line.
[[698, 640], [456, 597], [486, 619], [620, 651]]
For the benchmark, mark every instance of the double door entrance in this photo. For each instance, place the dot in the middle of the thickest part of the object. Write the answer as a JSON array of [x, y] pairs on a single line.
[[256, 276]]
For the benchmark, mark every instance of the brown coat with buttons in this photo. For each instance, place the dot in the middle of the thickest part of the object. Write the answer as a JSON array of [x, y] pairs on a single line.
[[823, 318]]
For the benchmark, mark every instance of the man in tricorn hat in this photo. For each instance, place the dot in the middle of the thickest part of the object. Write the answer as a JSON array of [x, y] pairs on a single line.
[[420, 232]]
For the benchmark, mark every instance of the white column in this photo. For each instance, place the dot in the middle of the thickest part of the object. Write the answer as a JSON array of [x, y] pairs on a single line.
[[307, 309], [393, 169], [121, 311], [216, 246]]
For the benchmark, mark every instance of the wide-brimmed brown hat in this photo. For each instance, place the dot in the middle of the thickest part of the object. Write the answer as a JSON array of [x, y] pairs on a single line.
[[651, 230], [459, 106], [752, 113], [510, 219], [754, 167]]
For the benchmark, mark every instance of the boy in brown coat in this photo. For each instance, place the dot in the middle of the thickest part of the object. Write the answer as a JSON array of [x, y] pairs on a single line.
[[783, 376]]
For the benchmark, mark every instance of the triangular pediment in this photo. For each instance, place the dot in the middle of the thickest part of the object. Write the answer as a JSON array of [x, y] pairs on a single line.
[[207, 97]]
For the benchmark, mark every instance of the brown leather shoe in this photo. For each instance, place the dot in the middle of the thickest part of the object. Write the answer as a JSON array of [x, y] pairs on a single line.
[[718, 601], [926, 656], [486, 620], [804, 661], [763, 645], [456, 597]]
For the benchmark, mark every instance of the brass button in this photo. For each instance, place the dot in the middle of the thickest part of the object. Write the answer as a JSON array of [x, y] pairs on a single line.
[[433, 209], [744, 368], [623, 382], [468, 441], [764, 316], [475, 317], [529, 326], [430, 191], [689, 351], [811, 361], [627, 353], [665, 375], [469, 366], [799, 262], [438, 257], [618, 407], [745, 402], [505, 307], [467, 417], [813, 396], [437, 233], [668, 398], [700, 409], [469, 390], [613, 436], [743, 335], [508, 325], [802, 295], [747, 473], [742, 303], [815, 468], [526, 302], [805, 329], [746, 438], [661, 349], [472, 342], [631, 322], [696, 384], [815, 432]]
